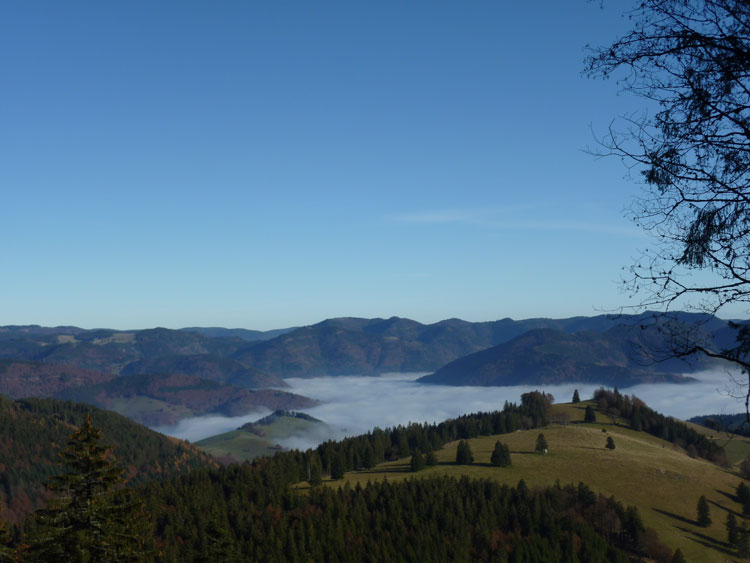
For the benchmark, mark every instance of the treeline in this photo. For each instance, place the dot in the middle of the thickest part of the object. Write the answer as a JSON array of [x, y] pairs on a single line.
[[233, 514], [251, 513], [641, 417], [367, 450], [730, 423]]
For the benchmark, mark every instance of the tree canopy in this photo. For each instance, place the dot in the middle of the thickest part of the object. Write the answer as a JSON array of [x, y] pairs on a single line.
[[690, 60], [85, 522]]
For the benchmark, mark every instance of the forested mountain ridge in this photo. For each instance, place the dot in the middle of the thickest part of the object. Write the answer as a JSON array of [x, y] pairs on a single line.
[[33, 431], [617, 357], [252, 512], [348, 346], [169, 398], [25, 379], [341, 346]]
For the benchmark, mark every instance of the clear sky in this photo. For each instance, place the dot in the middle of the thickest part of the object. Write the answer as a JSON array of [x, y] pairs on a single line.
[[268, 164]]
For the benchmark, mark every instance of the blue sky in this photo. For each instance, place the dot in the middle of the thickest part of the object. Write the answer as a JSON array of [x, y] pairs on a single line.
[[268, 164]]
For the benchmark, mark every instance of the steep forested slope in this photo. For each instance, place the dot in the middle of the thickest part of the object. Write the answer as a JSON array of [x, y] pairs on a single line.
[[33, 431]]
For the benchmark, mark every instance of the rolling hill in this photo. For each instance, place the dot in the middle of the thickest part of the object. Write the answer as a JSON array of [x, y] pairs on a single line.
[[26, 379], [658, 477], [260, 438], [616, 357], [353, 346], [161, 400], [33, 432]]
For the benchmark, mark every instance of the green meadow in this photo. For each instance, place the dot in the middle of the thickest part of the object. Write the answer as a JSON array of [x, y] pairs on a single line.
[[652, 474]]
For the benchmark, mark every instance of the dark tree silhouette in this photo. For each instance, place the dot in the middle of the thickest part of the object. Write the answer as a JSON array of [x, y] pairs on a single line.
[[678, 557], [85, 522], [610, 443], [576, 397], [589, 415], [541, 444], [430, 458], [417, 461], [316, 478], [337, 467], [691, 60], [732, 530], [704, 514], [464, 456], [500, 455]]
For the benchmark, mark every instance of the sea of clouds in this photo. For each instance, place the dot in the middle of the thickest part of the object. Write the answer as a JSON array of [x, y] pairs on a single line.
[[352, 405]]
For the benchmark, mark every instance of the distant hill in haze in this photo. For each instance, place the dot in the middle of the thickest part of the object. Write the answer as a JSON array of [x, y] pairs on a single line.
[[243, 333], [341, 346], [207, 366], [162, 400], [546, 356], [353, 346], [33, 379], [107, 350], [259, 438]]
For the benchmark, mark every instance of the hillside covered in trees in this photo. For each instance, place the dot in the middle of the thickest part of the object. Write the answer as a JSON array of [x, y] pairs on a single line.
[[34, 431], [252, 512]]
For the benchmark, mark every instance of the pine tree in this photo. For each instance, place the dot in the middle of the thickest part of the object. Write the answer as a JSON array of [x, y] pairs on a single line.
[[743, 542], [704, 515], [590, 415], [316, 478], [417, 461], [743, 496], [430, 459], [576, 397], [500, 455], [87, 521], [678, 557], [732, 529], [610, 443], [464, 455], [541, 444], [337, 467]]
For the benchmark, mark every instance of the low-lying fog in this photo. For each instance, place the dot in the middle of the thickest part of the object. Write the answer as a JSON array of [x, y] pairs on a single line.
[[353, 405]]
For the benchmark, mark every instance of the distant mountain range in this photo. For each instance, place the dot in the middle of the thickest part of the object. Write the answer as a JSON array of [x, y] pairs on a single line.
[[603, 348], [546, 356]]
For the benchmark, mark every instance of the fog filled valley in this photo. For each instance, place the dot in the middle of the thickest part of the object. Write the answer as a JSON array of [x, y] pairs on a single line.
[[375, 282], [254, 433], [352, 405]]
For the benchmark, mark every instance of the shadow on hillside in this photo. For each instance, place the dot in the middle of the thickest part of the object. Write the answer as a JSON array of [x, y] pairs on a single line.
[[675, 516], [392, 469], [707, 541], [697, 537], [519, 452], [730, 496]]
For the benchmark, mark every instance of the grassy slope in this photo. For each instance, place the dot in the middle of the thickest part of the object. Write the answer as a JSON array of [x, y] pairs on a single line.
[[243, 445], [239, 444], [654, 475], [737, 447]]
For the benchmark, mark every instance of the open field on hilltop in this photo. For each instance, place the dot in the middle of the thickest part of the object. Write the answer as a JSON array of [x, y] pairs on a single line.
[[240, 444], [244, 445], [656, 476], [737, 447]]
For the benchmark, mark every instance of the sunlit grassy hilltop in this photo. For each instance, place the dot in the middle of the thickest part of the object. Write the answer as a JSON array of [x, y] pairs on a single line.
[[656, 476]]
